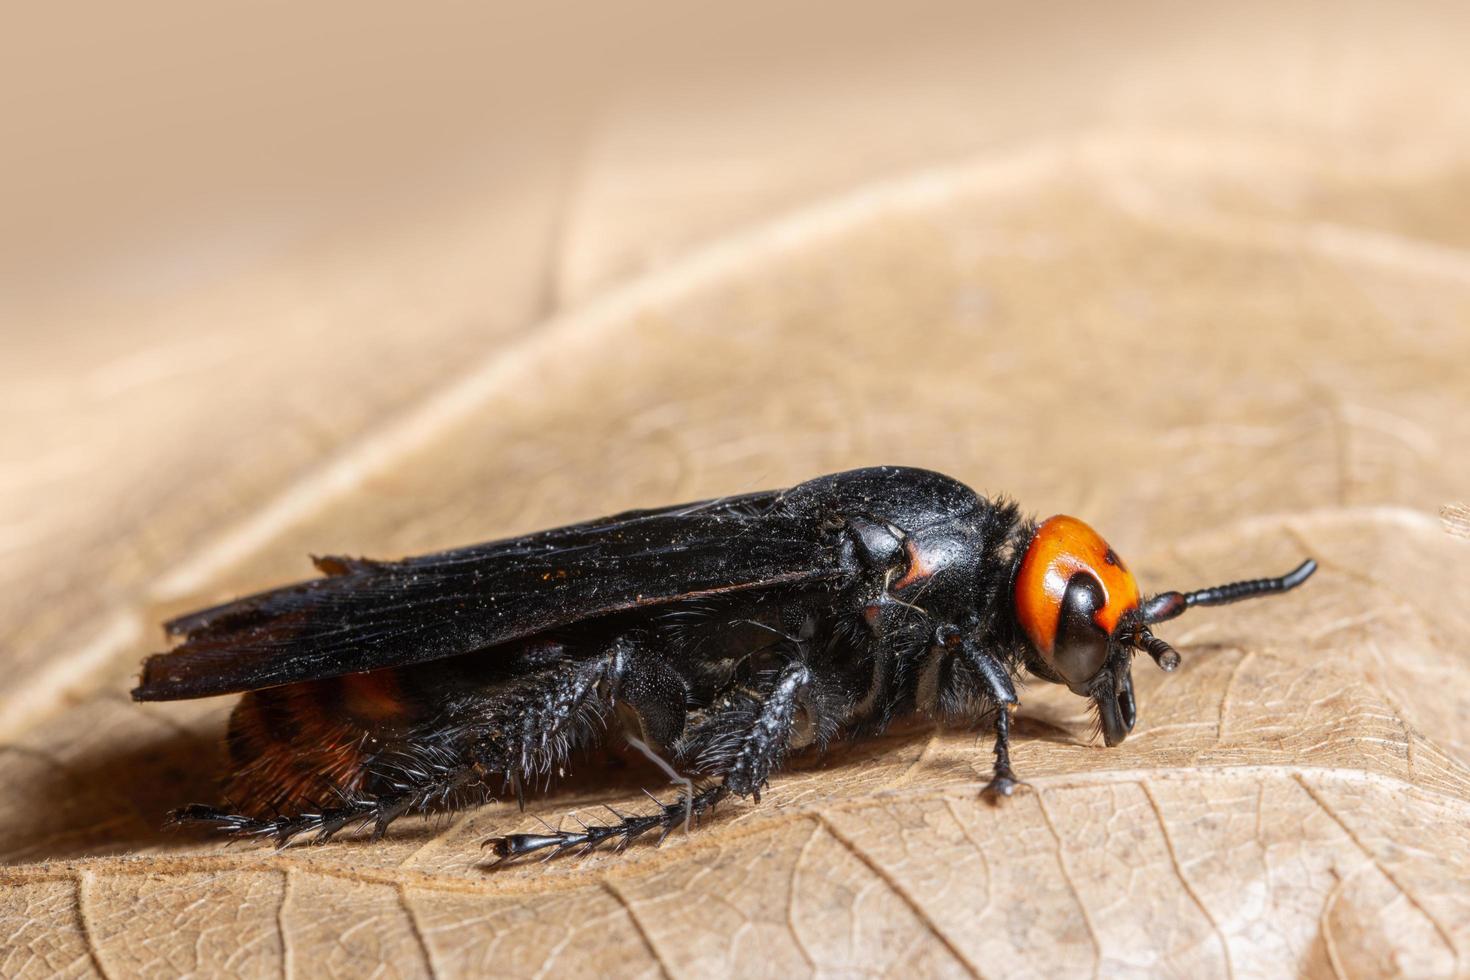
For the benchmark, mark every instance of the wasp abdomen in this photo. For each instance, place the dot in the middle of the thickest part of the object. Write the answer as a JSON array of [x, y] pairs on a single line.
[[305, 746]]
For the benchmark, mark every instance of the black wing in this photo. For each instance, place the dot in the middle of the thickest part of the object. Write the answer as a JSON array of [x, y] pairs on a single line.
[[368, 614]]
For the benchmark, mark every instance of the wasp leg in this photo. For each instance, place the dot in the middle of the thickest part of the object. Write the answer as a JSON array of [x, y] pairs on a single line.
[[592, 836], [520, 732], [653, 692], [999, 691], [996, 681], [759, 749], [531, 731], [656, 697], [1003, 781], [744, 741], [362, 811]]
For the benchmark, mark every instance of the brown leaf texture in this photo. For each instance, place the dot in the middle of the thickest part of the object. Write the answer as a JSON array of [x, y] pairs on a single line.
[[1226, 342]]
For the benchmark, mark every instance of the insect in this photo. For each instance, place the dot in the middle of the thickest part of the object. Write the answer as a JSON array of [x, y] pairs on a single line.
[[724, 634]]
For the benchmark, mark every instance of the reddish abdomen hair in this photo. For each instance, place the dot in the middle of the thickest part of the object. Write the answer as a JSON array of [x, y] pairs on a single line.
[[303, 747]]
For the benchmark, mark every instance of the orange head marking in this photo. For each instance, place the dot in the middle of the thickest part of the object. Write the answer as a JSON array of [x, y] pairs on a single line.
[[1072, 590], [1082, 615]]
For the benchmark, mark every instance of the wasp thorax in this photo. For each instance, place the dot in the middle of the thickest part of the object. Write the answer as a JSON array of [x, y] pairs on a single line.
[[1071, 592]]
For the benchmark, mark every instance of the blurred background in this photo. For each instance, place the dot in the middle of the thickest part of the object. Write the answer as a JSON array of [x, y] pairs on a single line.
[[241, 242]]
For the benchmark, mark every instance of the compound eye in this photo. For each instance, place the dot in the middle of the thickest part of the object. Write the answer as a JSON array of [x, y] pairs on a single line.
[[1081, 646]]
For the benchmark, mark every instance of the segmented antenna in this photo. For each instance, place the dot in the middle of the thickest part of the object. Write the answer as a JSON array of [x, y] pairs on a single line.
[[1167, 605], [1164, 655]]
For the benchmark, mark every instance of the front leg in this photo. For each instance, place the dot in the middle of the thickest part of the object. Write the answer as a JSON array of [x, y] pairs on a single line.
[[1003, 781], [996, 682]]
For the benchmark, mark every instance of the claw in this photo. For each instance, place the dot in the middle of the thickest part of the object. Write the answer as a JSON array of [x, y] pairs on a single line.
[[1002, 784]]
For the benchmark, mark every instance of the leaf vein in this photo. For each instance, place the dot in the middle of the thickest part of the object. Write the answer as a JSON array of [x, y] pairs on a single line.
[[902, 894]]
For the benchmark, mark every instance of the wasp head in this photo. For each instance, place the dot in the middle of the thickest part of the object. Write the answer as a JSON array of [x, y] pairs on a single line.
[[1083, 617]]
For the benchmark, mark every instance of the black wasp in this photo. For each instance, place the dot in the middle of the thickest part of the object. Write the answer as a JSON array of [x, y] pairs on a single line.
[[724, 634]]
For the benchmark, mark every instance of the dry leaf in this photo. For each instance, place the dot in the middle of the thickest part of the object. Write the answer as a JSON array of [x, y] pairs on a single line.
[[1456, 519], [1219, 347]]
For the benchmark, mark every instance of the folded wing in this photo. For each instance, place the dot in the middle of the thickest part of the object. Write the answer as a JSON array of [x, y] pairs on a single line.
[[366, 614]]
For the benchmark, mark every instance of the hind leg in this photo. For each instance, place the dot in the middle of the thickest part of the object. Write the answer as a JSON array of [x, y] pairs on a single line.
[[517, 732]]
